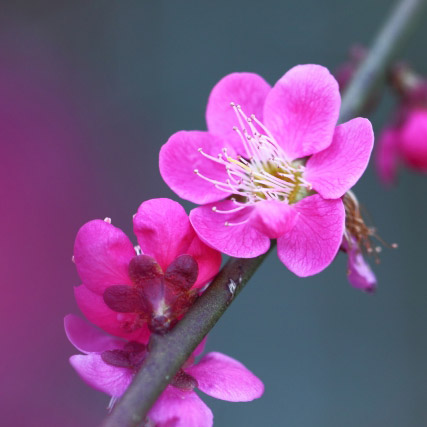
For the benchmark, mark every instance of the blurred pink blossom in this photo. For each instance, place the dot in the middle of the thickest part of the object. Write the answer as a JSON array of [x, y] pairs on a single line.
[[404, 139], [277, 173], [129, 291], [359, 273], [405, 142], [413, 139], [109, 365]]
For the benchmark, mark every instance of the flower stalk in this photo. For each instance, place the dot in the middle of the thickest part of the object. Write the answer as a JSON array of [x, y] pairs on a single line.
[[167, 353]]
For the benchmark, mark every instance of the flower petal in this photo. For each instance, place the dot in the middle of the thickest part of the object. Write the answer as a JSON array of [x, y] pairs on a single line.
[[176, 408], [225, 378], [95, 372], [88, 339], [302, 109], [102, 253], [359, 272], [124, 325], [336, 169], [208, 260], [248, 90], [273, 218], [180, 157], [200, 347], [164, 232], [242, 240], [386, 155], [313, 242]]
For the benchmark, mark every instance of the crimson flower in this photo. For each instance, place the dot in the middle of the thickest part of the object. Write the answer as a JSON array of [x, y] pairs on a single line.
[[130, 291]]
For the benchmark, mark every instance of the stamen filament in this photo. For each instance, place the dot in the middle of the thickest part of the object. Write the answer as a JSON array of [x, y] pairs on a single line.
[[263, 173]]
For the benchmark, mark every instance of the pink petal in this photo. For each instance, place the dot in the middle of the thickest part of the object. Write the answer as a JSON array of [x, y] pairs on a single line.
[[414, 140], [316, 237], [201, 347], [180, 409], [163, 220], [208, 259], [359, 272], [112, 380], [302, 109], [124, 325], [386, 155], [243, 240], [225, 378], [273, 218], [336, 169], [180, 156], [88, 339], [248, 90], [102, 253]]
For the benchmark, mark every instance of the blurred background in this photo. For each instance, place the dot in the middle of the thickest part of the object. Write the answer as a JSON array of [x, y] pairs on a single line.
[[89, 91]]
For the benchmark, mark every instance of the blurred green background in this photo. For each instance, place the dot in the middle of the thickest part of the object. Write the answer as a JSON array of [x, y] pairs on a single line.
[[89, 91]]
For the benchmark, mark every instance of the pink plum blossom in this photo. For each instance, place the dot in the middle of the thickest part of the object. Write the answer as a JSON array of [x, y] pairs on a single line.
[[273, 164], [404, 139], [404, 142], [109, 365], [130, 291], [413, 139]]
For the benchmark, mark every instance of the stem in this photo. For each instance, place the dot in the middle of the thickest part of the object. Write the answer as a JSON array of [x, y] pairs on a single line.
[[169, 352], [386, 46]]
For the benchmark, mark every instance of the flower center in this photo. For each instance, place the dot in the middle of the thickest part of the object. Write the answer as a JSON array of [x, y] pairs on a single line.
[[263, 172], [155, 297]]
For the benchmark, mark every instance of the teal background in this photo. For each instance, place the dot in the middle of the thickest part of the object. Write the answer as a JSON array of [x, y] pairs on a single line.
[[89, 91]]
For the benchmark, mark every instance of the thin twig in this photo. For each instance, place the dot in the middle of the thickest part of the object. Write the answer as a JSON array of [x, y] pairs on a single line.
[[169, 352], [388, 43]]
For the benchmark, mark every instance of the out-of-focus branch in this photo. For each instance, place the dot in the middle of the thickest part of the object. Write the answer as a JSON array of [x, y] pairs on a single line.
[[388, 43], [169, 352]]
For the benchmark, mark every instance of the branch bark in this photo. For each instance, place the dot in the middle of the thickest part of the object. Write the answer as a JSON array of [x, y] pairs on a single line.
[[169, 352]]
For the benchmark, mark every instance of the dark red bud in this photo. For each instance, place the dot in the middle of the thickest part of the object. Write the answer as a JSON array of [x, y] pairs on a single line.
[[143, 267], [182, 273], [132, 355], [124, 299], [117, 358], [184, 381]]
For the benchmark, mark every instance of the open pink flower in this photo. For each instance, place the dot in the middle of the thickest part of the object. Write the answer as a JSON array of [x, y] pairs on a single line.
[[129, 291], [273, 165], [109, 365]]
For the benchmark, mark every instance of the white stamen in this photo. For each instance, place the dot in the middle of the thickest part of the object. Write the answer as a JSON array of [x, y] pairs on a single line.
[[232, 224], [107, 220], [264, 173]]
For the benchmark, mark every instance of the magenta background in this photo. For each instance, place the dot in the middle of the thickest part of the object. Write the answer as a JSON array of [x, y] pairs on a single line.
[[88, 93]]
